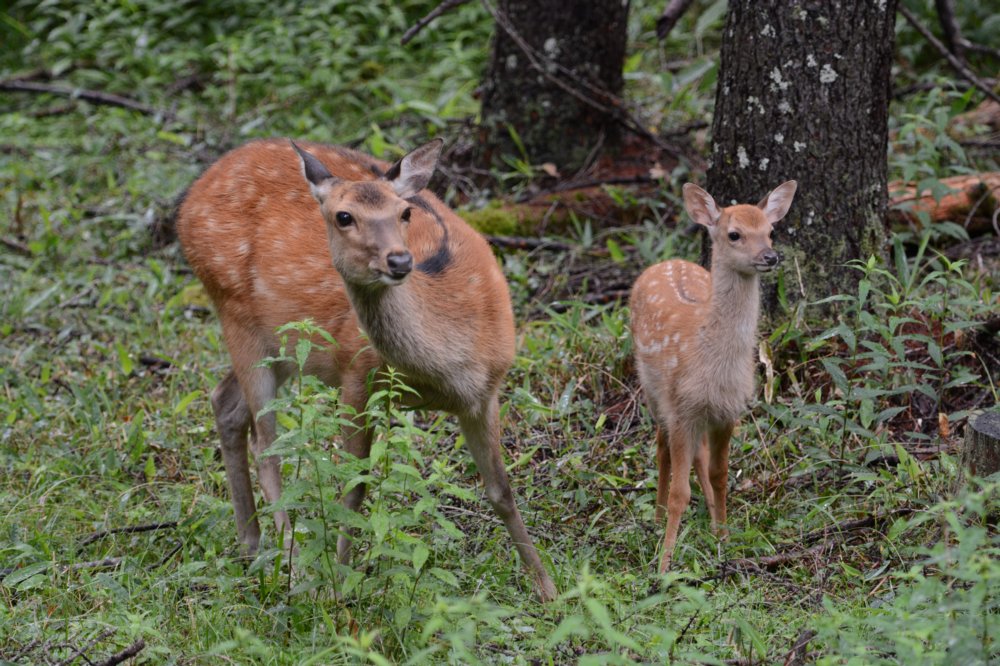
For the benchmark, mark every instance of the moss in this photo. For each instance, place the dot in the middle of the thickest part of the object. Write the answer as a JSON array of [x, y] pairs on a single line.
[[493, 220]]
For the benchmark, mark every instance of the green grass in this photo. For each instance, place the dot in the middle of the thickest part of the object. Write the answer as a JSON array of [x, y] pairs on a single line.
[[108, 355]]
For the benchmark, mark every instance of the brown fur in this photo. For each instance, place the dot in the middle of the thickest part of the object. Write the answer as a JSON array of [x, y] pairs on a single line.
[[694, 335], [255, 236]]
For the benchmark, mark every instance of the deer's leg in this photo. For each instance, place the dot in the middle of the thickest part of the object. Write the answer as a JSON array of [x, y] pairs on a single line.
[[357, 442], [260, 385], [718, 472], [232, 420], [663, 469], [682, 446], [482, 434], [701, 458]]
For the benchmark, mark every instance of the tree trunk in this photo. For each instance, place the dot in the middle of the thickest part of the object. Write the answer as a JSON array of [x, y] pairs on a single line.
[[803, 94], [554, 78]]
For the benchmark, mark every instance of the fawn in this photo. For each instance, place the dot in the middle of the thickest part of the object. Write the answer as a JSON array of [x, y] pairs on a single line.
[[695, 334], [277, 234]]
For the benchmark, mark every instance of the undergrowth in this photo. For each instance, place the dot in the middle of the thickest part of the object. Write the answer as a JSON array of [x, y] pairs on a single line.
[[853, 539]]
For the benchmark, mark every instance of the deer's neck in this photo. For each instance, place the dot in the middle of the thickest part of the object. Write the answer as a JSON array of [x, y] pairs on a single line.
[[392, 324], [730, 328]]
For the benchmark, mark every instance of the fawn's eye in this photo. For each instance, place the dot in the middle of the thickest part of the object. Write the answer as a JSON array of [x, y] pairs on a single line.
[[344, 219], [406, 215], [734, 236]]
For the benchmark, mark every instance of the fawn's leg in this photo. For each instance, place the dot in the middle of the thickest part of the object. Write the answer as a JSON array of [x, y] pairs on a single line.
[[482, 434], [718, 472], [232, 420], [701, 458], [681, 457], [663, 472]]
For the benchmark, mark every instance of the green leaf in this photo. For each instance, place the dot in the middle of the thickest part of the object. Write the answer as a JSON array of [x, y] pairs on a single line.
[[420, 555], [182, 405]]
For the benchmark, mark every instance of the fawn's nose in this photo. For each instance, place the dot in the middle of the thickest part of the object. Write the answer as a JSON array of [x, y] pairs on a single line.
[[770, 257], [400, 264]]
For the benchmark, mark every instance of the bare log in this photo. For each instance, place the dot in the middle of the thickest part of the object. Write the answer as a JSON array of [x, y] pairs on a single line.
[[972, 202]]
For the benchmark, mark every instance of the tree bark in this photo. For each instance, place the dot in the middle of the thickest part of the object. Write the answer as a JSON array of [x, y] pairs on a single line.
[[803, 94], [981, 453], [554, 77]]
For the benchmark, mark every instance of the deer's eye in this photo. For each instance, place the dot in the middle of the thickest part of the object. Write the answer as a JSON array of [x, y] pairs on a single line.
[[344, 219], [734, 236], [406, 215]]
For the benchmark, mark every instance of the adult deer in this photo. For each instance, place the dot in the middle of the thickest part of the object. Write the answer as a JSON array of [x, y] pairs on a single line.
[[279, 234], [695, 333]]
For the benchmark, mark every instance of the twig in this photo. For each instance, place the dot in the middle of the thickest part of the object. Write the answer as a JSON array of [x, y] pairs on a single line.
[[982, 48], [518, 243], [131, 529], [106, 563], [925, 86], [78, 651], [851, 525], [16, 246], [797, 655], [668, 19], [443, 8], [771, 562], [95, 96], [957, 64], [127, 653]]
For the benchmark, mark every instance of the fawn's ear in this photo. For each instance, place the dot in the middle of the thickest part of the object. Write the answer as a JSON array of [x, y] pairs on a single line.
[[700, 205], [412, 173], [776, 204], [316, 174]]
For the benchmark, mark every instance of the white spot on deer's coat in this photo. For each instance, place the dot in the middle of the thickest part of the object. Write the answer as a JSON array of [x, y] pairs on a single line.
[[741, 155], [827, 75]]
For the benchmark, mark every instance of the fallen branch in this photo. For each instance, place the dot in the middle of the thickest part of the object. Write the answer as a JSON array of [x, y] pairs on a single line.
[[16, 246], [127, 653], [771, 562], [797, 655], [131, 529], [518, 243], [79, 651], [973, 200], [443, 8], [94, 96], [852, 525], [955, 62]]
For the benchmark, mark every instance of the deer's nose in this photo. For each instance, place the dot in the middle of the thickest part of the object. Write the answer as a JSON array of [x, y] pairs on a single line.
[[770, 257], [400, 264]]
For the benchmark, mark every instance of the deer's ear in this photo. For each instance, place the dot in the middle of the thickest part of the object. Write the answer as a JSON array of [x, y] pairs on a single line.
[[315, 172], [412, 173], [700, 205], [776, 204]]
